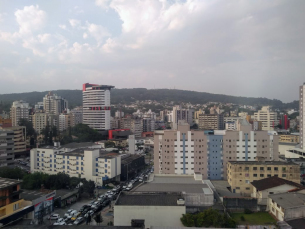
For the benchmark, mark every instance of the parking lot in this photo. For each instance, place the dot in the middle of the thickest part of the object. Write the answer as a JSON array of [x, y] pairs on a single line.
[[102, 206]]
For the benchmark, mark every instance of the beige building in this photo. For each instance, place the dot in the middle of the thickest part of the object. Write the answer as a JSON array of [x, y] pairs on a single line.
[[186, 151], [39, 121], [268, 118], [211, 122], [19, 138], [65, 121], [240, 174], [287, 206], [134, 124], [272, 185], [19, 110], [197, 113], [289, 138], [54, 104]]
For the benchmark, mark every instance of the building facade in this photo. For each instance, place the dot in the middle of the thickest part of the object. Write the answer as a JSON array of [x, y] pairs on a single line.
[[267, 117], [90, 163], [240, 174], [179, 114], [184, 151], [39, 120], [211, 122], [97, 106], [19, 138], [289, 138], [65, 121], [302, 116], [54, 104], [77, 115], [6, 147], [135, 125], [19, 110]]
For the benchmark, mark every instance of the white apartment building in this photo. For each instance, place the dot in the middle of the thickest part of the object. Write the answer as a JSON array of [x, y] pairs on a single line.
[[179, 114], [119, 114], [302, 116], [77, 159], [267, 117], [65, 121], [96, 106], [19, 110], [54, 104]]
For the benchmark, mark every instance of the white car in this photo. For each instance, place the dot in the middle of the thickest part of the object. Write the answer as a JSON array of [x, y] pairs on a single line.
[[54, 216], [59, 223], [68, 212]]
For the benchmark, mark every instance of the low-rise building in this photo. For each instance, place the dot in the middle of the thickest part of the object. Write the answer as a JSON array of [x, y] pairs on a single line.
[[195, 191], [289, 138], [155, 208], [241, 173], [12, 206], [85, 160], [287, 206], [272, 185]]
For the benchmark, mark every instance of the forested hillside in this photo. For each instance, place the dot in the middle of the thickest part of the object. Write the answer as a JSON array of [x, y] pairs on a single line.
[[126, 96]]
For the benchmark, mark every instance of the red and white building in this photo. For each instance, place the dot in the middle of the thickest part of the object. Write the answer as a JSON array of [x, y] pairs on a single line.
[[96, 106]]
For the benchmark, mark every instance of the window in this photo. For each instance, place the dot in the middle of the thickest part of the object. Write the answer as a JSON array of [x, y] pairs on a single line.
[[283, 175], [76, 168], [261, 175], [68, 167], [96, 170], [246, 168], [261, 168], [254, 168], [247, 188], [82, 168], [37, 164], [276, 168], [16, 206], [255, 175], [269, 168]]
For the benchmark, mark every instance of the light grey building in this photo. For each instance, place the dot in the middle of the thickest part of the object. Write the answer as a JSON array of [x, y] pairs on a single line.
[[6, 147]]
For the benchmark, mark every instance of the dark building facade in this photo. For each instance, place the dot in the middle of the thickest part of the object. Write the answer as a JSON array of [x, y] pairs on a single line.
[[131, 165]]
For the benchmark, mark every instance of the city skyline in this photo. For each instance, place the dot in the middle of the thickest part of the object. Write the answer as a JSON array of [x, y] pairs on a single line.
[[232, 48]]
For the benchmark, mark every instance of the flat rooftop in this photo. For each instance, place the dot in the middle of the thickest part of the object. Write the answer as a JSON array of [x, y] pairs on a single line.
[[289, 200], [5, 183], [175, 179], [262, 163], [33, 194], [73, 145], [148, 198], [189, 188], [128, 158], [222, 188]]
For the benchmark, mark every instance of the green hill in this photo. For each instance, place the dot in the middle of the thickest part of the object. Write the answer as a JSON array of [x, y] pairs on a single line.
[[126, 96]]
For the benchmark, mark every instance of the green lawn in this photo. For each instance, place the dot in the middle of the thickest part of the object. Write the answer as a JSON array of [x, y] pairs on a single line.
[[257, 218]]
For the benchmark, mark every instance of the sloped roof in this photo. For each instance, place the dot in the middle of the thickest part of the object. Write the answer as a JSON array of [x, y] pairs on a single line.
[[274, 181]]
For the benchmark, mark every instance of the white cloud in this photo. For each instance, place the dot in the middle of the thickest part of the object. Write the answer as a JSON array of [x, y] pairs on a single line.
[[98, 32], [30, 18], [74, 23], [1, 18], [64, 27], [85, 35], [104, 4]]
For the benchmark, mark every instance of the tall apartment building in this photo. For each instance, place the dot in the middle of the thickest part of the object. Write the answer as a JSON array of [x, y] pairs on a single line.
[[284, 122], [85, 160], [54, 104], [257, 125], [149, 114], [207, 152], [197, 113], [267, 117], [6, 147], [19, 110], [148, 124], [241, 173], [65, 121], [134, 124], [179, 114], [302, 116], [211, 122], [96, 106], [77, 115], [119, 114], [19, 138], [39, 121]]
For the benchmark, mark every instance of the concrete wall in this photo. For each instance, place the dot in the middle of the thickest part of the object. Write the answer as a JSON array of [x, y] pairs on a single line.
[[167, 216], [295, 213], [199, 199]]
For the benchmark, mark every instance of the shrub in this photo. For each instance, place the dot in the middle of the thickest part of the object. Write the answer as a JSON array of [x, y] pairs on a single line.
[[242, 218], [248, 211]]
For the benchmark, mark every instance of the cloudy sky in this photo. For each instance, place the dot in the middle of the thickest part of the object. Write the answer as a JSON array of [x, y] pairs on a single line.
[[241, 47]]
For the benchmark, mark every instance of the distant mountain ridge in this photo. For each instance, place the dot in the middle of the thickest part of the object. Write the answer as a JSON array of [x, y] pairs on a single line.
[[125, 96]]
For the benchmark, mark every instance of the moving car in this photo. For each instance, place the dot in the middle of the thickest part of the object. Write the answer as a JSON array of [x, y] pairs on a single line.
[[54, 216]]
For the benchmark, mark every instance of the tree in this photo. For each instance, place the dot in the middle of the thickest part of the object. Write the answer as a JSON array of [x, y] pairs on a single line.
[[30, 131], [89, 186], [11, 173], [208, 218], [98, 218]]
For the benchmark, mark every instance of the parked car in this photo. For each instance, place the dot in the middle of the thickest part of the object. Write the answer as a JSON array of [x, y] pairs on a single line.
[[71, 214], [54, 216], [76, 216], [79, 220], [91, 212]]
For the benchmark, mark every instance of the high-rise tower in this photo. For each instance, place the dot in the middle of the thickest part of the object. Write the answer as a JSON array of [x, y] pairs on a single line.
[[96, 106]]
